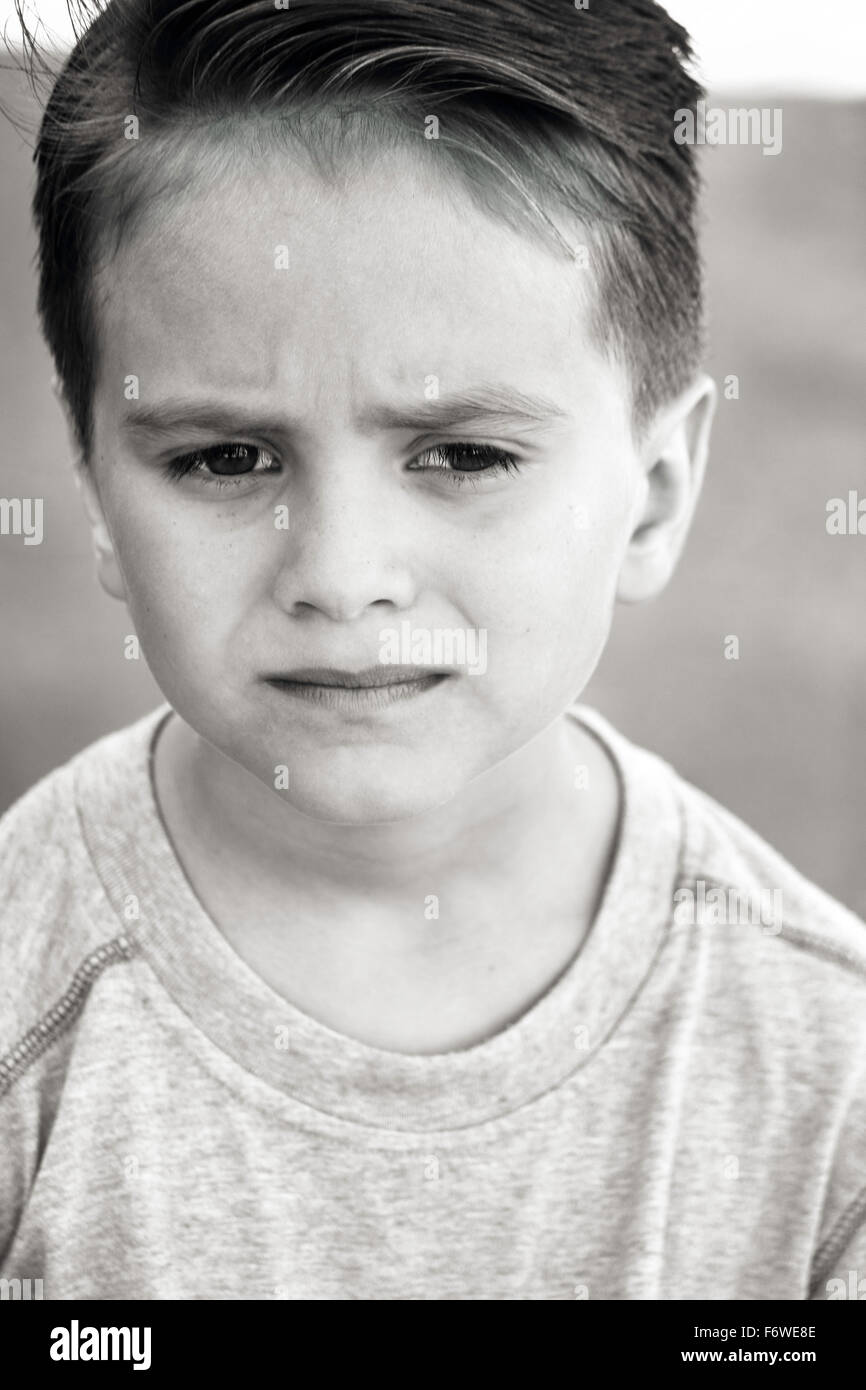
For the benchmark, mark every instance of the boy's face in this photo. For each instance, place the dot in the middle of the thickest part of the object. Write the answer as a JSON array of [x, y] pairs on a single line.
[[322, 324]]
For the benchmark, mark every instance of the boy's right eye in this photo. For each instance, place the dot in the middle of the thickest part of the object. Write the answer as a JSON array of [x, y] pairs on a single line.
[[222, 465]]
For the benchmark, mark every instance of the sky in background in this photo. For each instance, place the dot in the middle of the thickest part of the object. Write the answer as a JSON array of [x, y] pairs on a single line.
[[786, 46]]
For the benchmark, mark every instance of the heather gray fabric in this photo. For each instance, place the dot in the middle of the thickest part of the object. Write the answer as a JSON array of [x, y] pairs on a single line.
[[681, 1116]]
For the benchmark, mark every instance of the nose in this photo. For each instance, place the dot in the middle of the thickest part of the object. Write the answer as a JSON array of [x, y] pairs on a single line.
[[348, 545]]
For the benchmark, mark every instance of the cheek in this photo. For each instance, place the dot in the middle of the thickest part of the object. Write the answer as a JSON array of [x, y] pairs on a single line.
[[188, 584], [557, 567], [557, 602]]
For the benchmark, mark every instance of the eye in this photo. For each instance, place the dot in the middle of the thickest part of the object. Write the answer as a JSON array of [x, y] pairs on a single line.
[[222, 465], [461, 463]]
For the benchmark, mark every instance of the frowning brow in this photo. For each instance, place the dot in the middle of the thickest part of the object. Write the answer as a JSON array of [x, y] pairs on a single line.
[[462, 407], [485, 404]]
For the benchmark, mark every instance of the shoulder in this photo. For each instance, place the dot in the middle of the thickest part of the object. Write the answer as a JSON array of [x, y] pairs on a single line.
[[784, 962], [764, 928], [756, 885], [57, 928]]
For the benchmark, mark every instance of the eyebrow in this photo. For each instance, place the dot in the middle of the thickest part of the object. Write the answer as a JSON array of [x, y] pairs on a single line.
[[486, 403]]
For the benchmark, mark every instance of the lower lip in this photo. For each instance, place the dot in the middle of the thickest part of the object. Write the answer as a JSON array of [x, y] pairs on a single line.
[[357, 699]]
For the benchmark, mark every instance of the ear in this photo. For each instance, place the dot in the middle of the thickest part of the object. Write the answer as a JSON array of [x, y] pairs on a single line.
[[107, 569], [673, 458]]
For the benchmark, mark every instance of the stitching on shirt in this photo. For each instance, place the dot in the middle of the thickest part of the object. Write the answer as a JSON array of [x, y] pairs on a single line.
[[798, 936], [837, 955], [64, 1013], [839, 1237]]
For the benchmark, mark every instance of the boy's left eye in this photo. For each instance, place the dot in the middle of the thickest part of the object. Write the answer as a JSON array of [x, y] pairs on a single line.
[[460, 461]]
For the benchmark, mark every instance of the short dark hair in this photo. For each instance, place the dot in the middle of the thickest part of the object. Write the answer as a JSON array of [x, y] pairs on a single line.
[[545, 106]]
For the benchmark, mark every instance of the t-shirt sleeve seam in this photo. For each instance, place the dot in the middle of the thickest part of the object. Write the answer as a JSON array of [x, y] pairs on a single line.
[[842, 1233], [60, 1017], [800, 937], [833, 954]]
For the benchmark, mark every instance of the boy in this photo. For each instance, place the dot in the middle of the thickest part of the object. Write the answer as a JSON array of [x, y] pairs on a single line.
[[370, 965]]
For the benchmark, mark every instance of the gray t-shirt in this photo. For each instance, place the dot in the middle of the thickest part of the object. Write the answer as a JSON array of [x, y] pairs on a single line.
[[681, 1116]]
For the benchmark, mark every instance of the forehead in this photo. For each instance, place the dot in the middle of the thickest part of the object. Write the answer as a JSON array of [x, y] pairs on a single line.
[[271, 278]]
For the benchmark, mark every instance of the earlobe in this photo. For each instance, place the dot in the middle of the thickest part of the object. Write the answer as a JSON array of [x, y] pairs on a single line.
[[107, 569], [674, 460]]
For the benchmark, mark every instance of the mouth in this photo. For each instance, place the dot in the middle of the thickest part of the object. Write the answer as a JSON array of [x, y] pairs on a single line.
[[372, 688]]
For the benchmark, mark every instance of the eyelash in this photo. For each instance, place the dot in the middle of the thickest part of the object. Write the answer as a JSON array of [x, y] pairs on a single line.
[[193, 464], [500, 462]]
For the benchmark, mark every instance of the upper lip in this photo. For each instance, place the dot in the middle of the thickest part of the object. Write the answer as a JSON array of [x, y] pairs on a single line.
[[368, 677]]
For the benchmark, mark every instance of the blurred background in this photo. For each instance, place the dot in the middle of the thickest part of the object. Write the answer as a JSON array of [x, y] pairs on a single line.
[[778, 735]]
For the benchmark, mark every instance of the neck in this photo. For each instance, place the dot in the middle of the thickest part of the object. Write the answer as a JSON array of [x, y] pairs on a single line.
[[416, 935], [524, 806]]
